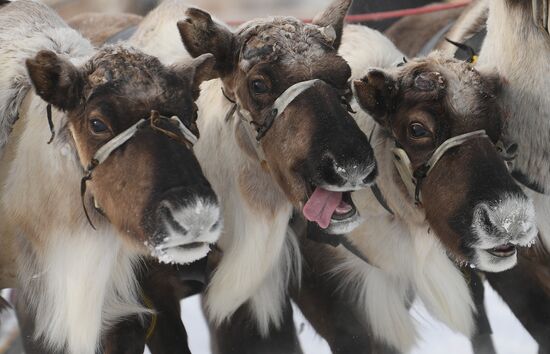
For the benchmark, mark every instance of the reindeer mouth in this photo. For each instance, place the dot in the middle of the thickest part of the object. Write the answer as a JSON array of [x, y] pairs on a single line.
[[503, 251], [333, 211], [192, 245]]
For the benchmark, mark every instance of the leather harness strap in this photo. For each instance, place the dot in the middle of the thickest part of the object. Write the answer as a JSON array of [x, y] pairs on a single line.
[[256, 131]]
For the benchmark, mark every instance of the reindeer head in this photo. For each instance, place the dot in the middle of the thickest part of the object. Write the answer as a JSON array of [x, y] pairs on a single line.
[[289, 85], [150, 187], [445, 120]]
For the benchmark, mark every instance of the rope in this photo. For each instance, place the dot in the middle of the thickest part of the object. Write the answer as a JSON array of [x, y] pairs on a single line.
[[379, 16]]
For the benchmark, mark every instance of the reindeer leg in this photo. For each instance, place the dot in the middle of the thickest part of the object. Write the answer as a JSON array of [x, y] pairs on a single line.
[[331, 313], [239, 335], [164, 286], [526, 290], [127, 337], [169, 334], [482, 341]]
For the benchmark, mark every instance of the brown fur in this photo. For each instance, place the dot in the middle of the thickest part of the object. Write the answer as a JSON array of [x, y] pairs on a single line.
[[239, 336], [60, 83], [277, 53], [98, 27], [332, 314], [421, 96], [423, 91], [526, 290]]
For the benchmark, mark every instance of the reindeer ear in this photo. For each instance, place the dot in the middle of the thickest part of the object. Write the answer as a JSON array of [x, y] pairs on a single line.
[[332, 19], [204, 68], [200, 69], [200, 35], [56, 80], [375, 94]]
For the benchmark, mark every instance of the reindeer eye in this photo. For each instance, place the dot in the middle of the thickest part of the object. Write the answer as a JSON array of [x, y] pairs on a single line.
[[97, 126], [417, 130], [259, 86]]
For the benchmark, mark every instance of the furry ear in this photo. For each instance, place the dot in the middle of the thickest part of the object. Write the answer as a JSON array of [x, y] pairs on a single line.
[[332, 20], [204, 68], [56, 80], [200, 35], [375, 94], [200, 69]]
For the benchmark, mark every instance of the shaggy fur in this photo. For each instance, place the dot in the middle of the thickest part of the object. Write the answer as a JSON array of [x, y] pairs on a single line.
[[252, 240], [77, 281], [510, 29], [257, 260], [409, 259], [102, 285], [49, 33]]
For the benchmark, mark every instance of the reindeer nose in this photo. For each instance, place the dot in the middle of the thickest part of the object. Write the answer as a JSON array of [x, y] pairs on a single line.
[[511, 220], [188, 223], [355, 175]]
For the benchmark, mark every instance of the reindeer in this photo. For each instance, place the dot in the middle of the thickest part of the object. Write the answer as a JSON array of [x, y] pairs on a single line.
[[117, 184], [461, 208], [522, 27]]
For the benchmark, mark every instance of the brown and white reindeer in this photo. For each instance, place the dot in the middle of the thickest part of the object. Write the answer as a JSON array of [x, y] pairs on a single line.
[[118, 183], [517, 46], [280, 137], [451, 203]]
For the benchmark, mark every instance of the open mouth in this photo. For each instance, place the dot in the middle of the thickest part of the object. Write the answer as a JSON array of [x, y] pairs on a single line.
[[192, 245], [326, 207], [503, 251]]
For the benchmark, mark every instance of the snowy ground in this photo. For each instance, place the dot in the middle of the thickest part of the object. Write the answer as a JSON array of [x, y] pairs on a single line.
[[508, 334]]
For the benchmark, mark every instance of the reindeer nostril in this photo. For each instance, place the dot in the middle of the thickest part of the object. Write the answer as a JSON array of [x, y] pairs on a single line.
[[369, 179], [215, 226], [485, 220]]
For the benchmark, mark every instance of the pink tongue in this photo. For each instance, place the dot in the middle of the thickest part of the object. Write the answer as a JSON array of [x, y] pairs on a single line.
[[321, 205]]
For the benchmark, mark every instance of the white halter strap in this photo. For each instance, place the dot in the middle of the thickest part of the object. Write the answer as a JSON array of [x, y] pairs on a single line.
[[404, 167], [290, 95], [107, 149], [279, 106]]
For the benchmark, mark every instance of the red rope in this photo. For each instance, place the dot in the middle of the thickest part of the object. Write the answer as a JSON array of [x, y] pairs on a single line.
[[379, 16]]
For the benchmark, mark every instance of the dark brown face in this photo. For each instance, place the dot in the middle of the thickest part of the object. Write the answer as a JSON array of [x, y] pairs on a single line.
[[314, 149], [469, 197], [151, 188]]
